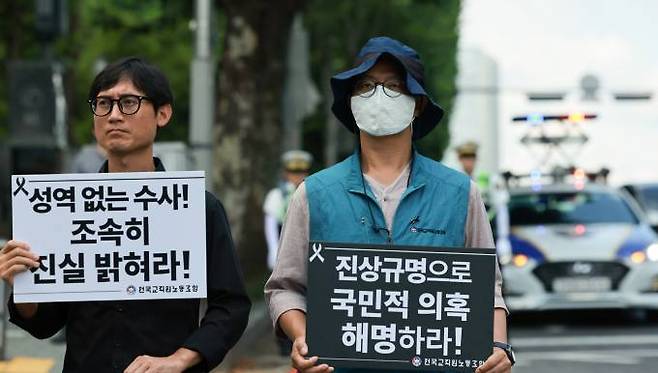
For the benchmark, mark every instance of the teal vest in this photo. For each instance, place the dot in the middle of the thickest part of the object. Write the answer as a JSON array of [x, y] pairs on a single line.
[[432, 211]]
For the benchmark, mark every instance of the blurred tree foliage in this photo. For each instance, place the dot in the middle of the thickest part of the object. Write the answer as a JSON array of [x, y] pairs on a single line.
[[159, 30], [100, 32], [15, 40], [340, 27]]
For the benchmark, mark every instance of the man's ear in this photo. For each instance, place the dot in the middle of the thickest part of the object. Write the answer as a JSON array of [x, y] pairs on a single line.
[[164, 115], [421, 102]]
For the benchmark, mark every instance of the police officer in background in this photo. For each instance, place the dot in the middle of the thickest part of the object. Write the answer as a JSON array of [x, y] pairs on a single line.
[[296, 165], [494, 196], [467, 153]]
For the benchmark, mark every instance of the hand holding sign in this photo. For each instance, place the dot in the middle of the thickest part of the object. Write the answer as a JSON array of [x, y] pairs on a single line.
[[497, 362], [15, 258], [303, 364]]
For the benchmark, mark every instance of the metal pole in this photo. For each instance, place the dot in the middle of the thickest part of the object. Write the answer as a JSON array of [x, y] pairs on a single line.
[[202, 95], [60, 130]]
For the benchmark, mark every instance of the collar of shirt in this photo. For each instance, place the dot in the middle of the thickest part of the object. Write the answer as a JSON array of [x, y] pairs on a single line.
[[396, 188], [156, 162]]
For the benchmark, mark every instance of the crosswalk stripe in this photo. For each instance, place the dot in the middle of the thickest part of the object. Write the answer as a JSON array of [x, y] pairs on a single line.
[[603, 340], [612, 357]]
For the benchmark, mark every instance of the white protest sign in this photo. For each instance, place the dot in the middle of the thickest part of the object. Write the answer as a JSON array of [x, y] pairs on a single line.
[[112, 236]]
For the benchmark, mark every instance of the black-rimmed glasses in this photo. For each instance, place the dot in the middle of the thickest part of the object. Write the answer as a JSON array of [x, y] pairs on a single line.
[[366, 88], [128, 104]]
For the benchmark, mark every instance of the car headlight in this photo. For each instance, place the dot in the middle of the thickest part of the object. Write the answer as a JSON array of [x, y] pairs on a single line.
[[652, 252], [638, 257], [520, 260]]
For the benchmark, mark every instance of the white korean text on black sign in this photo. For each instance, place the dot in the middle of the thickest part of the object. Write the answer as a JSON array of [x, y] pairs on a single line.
[[398, 307]]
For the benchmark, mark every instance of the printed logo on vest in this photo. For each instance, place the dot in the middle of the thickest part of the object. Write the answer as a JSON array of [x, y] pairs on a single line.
[[441, 232], [415, 229]]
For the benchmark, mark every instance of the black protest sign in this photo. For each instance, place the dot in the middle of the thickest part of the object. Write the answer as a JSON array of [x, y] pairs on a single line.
[[400, 307]]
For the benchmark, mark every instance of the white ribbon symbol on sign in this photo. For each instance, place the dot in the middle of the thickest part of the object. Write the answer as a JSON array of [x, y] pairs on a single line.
[[316, 253]]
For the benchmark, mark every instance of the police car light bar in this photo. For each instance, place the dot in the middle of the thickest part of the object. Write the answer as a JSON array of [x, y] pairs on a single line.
[[539, 118], [558, 174]]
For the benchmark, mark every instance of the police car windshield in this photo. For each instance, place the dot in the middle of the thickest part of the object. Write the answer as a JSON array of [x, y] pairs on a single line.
[[649, 197], [569, 208]]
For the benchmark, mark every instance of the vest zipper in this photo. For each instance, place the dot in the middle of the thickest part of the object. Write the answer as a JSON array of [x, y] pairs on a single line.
[[405, 194], [389, 233]]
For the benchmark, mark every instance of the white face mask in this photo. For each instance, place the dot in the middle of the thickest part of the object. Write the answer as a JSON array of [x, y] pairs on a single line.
[[380, 115]]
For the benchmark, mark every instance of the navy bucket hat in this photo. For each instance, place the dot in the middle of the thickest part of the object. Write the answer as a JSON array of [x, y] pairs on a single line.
[[341, 84]]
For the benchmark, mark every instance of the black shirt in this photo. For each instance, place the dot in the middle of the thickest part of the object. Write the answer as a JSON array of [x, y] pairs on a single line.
[[107, 336]]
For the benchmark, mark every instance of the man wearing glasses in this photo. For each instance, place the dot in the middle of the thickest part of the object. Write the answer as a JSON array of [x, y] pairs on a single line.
[[130, 100], [383, 101]]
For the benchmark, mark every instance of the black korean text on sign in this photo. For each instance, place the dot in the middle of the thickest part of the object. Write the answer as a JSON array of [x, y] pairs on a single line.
[[136, 264], [83, 232], [173, 195], [111, 267], [104, 198], [73, 268], [110, 231], [167, 289], [107, 266], [88, 231], [42, 198], [101, 198], [168, 263], [114, 266], [45, 273], [400, 308]]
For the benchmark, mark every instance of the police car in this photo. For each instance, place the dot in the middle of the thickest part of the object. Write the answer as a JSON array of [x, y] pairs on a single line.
[[579, 247]]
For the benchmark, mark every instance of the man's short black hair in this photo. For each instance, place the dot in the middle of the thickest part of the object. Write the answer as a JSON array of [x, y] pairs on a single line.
[[144, 76]]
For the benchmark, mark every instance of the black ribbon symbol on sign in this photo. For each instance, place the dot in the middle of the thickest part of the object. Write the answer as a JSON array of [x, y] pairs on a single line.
[[20, 183], [316, 253]]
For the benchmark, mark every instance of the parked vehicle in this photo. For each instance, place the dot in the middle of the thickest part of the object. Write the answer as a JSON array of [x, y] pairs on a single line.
[[579, 247]]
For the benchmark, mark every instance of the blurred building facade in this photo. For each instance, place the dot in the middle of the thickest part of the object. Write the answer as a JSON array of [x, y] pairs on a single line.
[[475, 114]]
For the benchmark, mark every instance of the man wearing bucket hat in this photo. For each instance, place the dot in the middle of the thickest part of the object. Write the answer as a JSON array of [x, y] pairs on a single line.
[[383, 101]]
